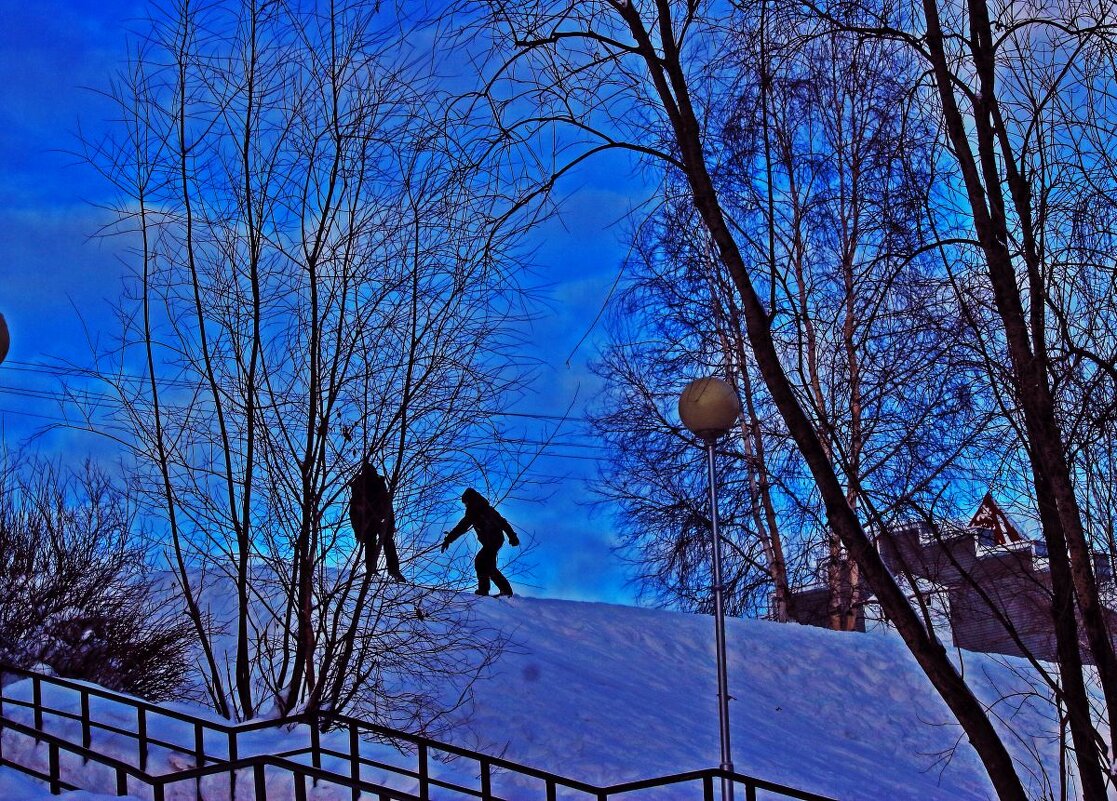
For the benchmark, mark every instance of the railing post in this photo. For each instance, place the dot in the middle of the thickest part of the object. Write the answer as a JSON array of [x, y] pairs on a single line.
[[750, 792], [121, 782], [355, 759], [300, 786], [37, 700], [232, 759], [486, 781], [199, 756], [315, 749], [86, 734], [552, 790], [141, 733], [707, 788], [199, 744], [259, 785], [424, 775], [55, 784]]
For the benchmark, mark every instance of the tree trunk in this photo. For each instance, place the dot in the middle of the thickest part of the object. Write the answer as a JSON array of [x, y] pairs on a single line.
[[1059, 513]]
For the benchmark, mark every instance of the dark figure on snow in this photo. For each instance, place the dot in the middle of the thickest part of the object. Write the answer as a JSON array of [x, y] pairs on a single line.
[[491, 528], [373, 519]]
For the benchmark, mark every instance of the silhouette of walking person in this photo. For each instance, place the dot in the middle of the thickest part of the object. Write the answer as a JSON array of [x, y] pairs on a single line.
[[374, 519], [491, 528]]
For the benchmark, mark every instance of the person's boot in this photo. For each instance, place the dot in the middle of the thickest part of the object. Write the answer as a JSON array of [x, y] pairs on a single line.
[[397, 577], [481, 592], [505, 593]]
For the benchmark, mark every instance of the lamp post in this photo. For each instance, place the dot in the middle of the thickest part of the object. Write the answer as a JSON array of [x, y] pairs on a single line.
[[709, 407]]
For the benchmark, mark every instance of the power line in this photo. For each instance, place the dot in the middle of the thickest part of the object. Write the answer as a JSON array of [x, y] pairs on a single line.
[[60, 372], [553, 448], [22, 413], [546, 447]]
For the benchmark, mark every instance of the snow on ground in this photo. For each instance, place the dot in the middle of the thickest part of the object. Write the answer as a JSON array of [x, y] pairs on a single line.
[[608, 694]]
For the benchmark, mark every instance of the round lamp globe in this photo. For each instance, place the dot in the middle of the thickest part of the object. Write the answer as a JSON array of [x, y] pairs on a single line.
[[709, 407]]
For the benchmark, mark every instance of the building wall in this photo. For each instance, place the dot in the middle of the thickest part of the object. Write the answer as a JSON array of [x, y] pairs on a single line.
[[999, 596]]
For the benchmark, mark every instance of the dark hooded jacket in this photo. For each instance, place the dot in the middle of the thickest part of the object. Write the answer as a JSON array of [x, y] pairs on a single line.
[[370, 507], [489, 524]]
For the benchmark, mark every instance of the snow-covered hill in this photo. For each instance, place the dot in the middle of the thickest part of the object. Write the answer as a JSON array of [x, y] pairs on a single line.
[[611, 693], [607, 694]]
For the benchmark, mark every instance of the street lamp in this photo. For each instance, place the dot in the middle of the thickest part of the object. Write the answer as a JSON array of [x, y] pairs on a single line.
[[709, 407]]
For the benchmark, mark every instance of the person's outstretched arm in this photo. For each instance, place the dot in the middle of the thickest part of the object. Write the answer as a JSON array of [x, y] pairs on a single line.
[[457, 531]]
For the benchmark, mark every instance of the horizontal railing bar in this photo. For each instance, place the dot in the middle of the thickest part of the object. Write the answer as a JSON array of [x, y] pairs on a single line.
[[772, 787], [447, 748], [107, 727], [397, 769], [372, 763], [65, 785], [457, 788], [77, 750], [716, 773], [139, 703], [644, 784], [402, 771], [102, 692], [270, 760]]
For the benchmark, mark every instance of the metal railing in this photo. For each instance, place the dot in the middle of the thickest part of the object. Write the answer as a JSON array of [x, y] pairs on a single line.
[[218, 749]]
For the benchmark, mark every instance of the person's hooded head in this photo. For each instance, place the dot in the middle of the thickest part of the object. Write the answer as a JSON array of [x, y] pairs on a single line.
[[473, 499], [368, 476]]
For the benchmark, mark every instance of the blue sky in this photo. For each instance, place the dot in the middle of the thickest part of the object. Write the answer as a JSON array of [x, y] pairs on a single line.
[[56, 275]]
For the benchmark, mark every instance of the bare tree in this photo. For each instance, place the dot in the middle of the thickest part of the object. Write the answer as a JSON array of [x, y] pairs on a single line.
[[80, 595], [313, 287], [812, 174], [1017, 91], [666, 320]]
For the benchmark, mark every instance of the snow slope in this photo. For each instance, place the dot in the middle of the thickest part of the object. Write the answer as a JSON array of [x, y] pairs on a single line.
[[608, 694]]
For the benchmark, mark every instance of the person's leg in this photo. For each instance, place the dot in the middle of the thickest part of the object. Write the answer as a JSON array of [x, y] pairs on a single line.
[[368, 543], [500, 581], [375, 540], [391, 557], [485, 563], [359, 522], [493, 571]]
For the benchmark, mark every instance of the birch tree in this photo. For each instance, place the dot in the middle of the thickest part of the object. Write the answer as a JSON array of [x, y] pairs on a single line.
[[827, 191], [1021, 93]]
